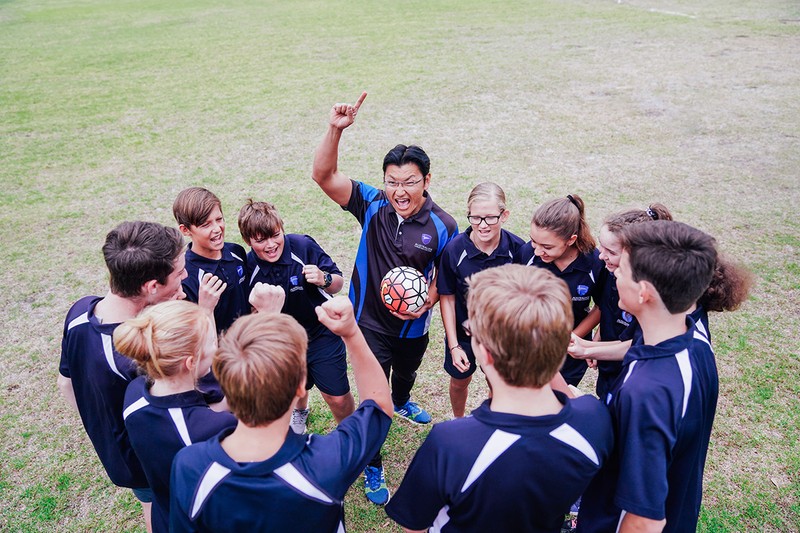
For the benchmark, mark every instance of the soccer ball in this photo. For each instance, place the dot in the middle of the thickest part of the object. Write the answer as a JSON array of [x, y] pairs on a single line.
[[404, 289]]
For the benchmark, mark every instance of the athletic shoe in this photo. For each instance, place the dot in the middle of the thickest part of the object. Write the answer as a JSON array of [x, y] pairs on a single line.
[[298, 423], [413, 412], [375, 487]]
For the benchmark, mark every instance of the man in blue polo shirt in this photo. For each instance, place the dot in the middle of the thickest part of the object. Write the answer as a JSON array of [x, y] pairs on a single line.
[[402, 226], [146, 265], [664, 402]]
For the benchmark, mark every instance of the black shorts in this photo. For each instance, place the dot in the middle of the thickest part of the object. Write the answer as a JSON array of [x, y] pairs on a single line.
[[448, 360], [327, 365]]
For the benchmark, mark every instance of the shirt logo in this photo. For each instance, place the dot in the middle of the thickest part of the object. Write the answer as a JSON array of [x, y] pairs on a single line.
[[293, 280], [240, 271], [582, 290], [627, 317], [426, 238]]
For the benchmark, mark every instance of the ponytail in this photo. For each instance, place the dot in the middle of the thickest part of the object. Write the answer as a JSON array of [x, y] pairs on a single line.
[[654, 211], [730, 285], [566, 217]]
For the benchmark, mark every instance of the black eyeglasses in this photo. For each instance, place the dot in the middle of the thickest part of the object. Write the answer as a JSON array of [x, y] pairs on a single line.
[[490, 220]]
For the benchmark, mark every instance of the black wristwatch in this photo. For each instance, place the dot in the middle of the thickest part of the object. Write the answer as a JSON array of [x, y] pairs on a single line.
[[328, 280]]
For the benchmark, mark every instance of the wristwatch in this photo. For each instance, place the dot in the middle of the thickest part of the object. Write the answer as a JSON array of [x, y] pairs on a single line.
[[328, 280]]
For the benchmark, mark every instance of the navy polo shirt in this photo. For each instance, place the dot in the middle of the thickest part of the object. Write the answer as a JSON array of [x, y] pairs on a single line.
[[662, 409], [699, 316], [613, 321], [301, 297], [387, 242], [231, 269], [300, 488], [503, 472], [461, 259], [581, 277], [159, 426], [99, 377]]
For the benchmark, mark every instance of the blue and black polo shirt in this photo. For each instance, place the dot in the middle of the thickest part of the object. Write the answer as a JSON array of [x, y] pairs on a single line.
[[231, 269], [388, 241]]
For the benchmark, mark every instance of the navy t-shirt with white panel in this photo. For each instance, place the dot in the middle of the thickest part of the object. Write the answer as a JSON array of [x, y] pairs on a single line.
[[160, 426], [300, 488], [663, 408], [502, 472], [302, 297], [231, 269], [582, 277], [389, 241], [99, 377]]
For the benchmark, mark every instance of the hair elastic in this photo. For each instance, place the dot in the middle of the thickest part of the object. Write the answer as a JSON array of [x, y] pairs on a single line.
[[573, 201], [652, 214]]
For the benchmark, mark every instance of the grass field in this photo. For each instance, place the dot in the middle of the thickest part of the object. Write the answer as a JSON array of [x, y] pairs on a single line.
[[108, 109]]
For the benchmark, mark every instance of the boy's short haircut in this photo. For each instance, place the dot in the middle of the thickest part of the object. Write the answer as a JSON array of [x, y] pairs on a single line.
[[676, 258], [259, 220], [523, 317], [137, 252], [260, 363], [194, 205]]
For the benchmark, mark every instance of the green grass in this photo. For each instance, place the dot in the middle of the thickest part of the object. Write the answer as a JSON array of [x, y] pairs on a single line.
[[108, 109]]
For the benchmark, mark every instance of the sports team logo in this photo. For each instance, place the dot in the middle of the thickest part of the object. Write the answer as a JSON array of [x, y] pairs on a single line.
[[240, 271], [582, 290], [293, 280], [426, 238], [627, 317]]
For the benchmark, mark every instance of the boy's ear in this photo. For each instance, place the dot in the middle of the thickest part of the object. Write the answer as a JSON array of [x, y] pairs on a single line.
[[149, 287], [186, 231], [648, 293]]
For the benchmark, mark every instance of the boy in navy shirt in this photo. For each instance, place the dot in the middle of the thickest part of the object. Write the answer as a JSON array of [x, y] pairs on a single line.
[[309, 276], [216, 269], [262, 476], [146, 265], [664, 402], [401, 226], [523, 457]]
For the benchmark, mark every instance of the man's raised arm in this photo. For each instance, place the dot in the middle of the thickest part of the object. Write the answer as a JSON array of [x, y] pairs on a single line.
[[326, 172]]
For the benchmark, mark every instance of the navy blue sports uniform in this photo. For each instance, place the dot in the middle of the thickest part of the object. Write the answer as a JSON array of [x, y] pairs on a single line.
[[582, 277], [613, 322], [662, 408], [461, 259], [231, 269], [300, 488], [160, 426], [326, 355], [99, 377], [503, 472]]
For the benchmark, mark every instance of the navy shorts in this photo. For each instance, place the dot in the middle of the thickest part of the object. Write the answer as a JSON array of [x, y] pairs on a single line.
[[327, 365], [448, 360], [144, 495]]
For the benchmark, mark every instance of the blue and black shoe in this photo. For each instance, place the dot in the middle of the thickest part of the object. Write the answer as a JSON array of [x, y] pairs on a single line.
[[375, 487]]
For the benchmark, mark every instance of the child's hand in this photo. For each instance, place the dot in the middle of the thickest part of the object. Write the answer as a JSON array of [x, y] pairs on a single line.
[[314, 275], [592, 363], [460, 359], [408, 315], [337, 315], [267, 298], [211, 288], [343, 115], [577, 347]]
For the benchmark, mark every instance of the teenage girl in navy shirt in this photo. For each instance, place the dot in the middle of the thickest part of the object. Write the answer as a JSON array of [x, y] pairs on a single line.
[[173, 343], [562, 243], [484, 245]]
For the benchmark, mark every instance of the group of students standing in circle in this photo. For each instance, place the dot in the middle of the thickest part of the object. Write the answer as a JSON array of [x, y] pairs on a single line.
[[212, 450]]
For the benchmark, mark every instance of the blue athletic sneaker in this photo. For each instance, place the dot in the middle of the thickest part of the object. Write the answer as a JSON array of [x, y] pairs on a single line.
[[375, 485], [413, 412]]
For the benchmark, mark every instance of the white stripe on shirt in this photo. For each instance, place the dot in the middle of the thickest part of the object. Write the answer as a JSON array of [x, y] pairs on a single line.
[[498, 443], [570, 436], [212, 477], [180, 424], [135, 406], [293, 477]]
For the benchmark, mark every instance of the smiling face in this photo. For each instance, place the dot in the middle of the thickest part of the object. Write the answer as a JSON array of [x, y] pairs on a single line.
[[407, 199], [208, 238], [269, 249], [629, 290], [484, 234], [610, 249], [550, 247]]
